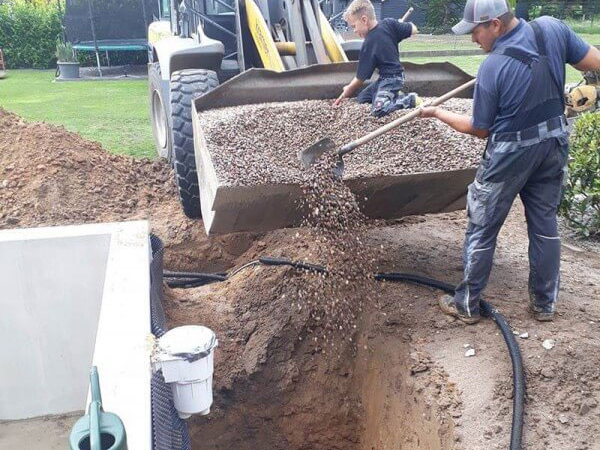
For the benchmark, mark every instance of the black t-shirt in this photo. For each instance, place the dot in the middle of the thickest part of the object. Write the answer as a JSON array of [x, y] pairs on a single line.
[[380, 49]]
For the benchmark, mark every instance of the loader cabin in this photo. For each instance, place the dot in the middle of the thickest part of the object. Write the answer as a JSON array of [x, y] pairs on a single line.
[[287, 35]]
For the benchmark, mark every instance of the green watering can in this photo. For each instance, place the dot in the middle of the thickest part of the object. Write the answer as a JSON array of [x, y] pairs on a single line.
[[98, 430]]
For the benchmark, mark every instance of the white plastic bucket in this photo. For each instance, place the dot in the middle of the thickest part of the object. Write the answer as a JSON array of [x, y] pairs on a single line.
[[186, 357]]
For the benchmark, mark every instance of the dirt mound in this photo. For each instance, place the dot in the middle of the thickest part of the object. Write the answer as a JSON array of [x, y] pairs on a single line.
[[50, 176]]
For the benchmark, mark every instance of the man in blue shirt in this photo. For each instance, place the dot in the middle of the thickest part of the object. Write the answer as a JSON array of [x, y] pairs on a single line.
[[518, 106], [379, 51]]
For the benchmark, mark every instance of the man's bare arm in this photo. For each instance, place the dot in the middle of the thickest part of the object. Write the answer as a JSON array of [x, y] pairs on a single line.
[[591, 60], [459, 122]]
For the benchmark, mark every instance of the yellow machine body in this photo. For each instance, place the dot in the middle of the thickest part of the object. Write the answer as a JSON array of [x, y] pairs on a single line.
[[332, 45], [261, 35]]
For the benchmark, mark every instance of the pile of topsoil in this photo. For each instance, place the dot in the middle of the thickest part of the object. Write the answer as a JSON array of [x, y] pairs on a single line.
[[259, 144], [50, 176]]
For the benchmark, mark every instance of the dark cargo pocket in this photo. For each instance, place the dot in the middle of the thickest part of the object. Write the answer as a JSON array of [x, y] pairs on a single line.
[[477, 201]]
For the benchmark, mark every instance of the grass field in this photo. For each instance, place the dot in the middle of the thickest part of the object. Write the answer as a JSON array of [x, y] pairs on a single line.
[[114, 113]]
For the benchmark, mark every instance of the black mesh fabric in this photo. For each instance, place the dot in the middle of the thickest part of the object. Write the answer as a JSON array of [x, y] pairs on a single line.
[[113, 19], [169, 432]]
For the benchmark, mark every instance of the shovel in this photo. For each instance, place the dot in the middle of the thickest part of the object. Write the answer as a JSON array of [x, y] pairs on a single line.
[[311, 154]]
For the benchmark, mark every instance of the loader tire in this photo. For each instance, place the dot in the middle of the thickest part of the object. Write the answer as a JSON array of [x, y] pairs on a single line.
[[185, 85], [159, 114]]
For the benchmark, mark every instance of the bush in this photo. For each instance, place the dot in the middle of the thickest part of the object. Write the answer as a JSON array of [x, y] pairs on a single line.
[[28, 33], [581, 201]]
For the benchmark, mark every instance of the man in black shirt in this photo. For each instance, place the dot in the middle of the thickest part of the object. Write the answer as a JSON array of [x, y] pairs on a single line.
[[379, 51]]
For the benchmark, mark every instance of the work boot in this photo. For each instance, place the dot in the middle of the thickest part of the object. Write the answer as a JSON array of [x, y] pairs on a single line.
[[541, 316], [448, 306]]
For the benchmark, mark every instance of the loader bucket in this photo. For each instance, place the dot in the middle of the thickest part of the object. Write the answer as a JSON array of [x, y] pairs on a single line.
[[228, 209], [322, 82]]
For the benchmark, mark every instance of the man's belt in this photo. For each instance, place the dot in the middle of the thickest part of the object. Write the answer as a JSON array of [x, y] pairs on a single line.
[[532, 133]]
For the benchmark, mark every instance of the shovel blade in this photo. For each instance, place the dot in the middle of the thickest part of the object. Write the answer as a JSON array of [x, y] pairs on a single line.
[[311, 154]]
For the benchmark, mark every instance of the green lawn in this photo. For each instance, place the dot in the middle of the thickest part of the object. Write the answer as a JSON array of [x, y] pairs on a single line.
[[114, 113]]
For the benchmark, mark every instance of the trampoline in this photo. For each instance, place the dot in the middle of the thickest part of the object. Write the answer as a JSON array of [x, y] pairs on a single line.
[[108, 45], [109, 26]]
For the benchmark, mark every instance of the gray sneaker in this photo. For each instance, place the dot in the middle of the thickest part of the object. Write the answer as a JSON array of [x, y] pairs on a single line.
[[448, 306]]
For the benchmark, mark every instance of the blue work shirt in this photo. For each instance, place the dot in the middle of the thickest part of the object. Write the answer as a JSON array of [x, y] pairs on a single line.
[[380, 49], [502, 81]]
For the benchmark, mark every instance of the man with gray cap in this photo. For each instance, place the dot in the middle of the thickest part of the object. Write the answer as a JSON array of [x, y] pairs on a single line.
[[518, 106]]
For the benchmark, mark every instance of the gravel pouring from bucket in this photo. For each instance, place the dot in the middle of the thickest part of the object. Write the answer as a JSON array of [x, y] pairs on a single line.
[[311, 154]]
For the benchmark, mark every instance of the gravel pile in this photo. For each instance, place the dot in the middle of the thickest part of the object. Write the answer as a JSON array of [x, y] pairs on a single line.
[[259, 144]]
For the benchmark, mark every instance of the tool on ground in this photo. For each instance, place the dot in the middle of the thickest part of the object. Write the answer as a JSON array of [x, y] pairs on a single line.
[[583, 96], [310, 155]]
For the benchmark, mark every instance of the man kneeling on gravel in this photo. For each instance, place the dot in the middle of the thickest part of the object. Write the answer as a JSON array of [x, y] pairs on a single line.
[[379, 51], [518, 106]]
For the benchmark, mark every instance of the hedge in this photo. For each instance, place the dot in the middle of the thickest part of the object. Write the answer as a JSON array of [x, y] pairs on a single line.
[[28, 33], [581, 200]]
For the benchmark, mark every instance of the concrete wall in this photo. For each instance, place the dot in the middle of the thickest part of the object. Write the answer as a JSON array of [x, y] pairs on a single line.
[[51, 296], [73, 297]]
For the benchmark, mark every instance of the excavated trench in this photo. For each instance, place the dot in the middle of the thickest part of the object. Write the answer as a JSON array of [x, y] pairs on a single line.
[[280, 384]]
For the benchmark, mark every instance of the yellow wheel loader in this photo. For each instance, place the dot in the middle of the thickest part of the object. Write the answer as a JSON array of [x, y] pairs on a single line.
[[250, 51]]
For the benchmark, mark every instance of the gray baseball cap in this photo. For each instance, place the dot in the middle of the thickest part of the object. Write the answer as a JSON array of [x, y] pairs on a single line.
[[480, 11]]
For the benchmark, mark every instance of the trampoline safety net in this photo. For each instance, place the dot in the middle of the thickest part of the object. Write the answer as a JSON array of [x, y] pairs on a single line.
[[120, 20]]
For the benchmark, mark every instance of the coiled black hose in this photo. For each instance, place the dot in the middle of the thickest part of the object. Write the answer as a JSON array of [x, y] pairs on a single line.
[[183, 279]]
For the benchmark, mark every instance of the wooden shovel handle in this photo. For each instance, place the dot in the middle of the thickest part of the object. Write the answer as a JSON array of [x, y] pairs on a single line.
[[405, 118], [407, 14]]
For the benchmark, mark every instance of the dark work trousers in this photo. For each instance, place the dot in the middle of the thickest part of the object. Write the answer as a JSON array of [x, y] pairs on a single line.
[[534, 170], [385, 96]]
